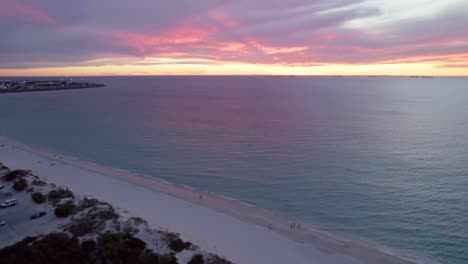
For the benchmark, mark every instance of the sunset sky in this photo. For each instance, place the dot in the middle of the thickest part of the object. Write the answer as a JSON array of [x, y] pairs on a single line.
[[161, 37]]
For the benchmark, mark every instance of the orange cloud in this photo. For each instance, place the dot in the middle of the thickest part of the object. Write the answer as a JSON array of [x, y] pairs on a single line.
[[232, 46], [226, 68], [276, 50], [454, 59]]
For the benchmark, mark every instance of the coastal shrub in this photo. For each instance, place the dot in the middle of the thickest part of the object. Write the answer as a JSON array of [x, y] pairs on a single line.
[[60, 248], [88, 203], [93, 220], [53, 248], [217, 260], [109, 239], [177, 245], [122, 248], [196, 259], [28, 240], [81, 228], [136, 221], [88, 245], [60, 193], [168, 259], [128, 229], [38, 197], [150, 258], [133, 242], [20, 185], [12, 175], [37, 182], [64, 210], [107, 214]]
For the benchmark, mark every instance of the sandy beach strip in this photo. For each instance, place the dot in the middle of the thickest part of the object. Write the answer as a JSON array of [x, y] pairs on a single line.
[[238, 232]]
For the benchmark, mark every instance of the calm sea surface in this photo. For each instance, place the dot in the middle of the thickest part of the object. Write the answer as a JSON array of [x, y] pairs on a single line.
[[381, 158]]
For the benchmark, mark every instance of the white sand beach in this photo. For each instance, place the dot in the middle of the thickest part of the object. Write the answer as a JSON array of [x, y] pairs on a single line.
[[237, 232]]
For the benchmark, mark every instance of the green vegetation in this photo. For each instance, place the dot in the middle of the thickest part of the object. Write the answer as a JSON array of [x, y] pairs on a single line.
[[80, 228], [12, 175], [171, 259], [20, 185], [60, 248], [37, 182], [176, 244], [38, 197], [91, 221], [121, 247], [197, 259], [60, 194], [65, 209], [89, 245]]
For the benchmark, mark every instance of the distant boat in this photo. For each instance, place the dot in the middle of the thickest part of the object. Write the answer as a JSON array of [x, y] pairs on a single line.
[[421, 76]]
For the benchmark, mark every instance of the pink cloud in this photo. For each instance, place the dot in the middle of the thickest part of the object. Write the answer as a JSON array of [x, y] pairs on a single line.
[[11, 9], [221, 17], [183, 34], [232, 46]]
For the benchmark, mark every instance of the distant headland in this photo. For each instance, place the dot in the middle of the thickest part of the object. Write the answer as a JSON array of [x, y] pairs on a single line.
[[43, 85]]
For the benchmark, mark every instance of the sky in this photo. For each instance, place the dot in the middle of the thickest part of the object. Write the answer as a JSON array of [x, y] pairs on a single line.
[[223, 37]]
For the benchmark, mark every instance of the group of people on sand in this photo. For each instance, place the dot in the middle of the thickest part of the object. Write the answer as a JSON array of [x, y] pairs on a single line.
[[294, 225], [291, 226]]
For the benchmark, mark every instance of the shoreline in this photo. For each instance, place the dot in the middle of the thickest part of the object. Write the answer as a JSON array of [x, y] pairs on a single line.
[[61, 88], [302, 245]]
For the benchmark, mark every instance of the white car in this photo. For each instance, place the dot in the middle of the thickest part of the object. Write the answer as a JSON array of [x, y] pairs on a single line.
[[8, 203]]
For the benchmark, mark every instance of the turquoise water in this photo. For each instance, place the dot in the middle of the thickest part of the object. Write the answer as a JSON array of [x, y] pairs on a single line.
[[381, 158]]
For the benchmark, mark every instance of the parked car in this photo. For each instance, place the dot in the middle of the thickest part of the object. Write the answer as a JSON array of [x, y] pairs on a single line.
[[2, 223], [2, 186], [38, 214], [8, 203]]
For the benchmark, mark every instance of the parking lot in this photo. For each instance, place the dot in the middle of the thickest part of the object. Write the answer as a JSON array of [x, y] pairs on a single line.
[[17, 218]]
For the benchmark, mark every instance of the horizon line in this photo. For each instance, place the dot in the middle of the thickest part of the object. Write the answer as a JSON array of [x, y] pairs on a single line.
[[237, 75]]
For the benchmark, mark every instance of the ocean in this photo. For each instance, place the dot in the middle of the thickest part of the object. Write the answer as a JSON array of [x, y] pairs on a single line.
[[382, 158]]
